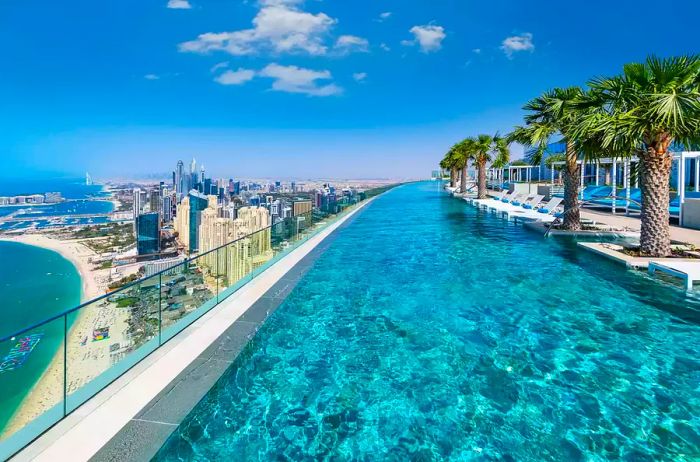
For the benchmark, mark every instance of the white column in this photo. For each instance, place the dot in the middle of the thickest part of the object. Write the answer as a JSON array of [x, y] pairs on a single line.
[[681, 187], [552, 173], [597, 172], [627, 187], [614, 184]]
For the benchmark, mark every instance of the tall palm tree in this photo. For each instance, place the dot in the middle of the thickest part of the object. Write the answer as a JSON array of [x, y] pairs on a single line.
[[556, 112], [461, 152], [643, 111], [484, 149], [450, 162]]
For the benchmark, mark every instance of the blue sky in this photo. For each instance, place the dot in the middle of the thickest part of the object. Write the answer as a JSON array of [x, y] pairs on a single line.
[[285, 88]]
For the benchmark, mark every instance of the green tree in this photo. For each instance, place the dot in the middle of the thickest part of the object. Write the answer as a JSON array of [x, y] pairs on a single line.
[[556, 112], [450, 161], [462, 155], [643, 111], [484, 149]]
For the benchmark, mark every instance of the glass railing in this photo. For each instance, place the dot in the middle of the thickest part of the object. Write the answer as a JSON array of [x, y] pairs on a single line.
[[88, 347]]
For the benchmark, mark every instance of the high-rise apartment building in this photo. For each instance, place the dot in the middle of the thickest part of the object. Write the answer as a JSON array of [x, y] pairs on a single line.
[[301, 207], [198, 202], [167, 208], [155, 201], [180, 181], [148, 233], [247, 241], [182, 222]]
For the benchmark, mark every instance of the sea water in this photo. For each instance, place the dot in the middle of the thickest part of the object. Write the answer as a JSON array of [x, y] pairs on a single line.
[[35, 284], [430, 330]]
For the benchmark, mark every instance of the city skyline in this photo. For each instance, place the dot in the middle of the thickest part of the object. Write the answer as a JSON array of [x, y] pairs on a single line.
[[309, 88]]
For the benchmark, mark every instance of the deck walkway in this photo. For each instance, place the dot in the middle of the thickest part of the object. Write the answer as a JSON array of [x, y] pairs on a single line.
[[689, 236]]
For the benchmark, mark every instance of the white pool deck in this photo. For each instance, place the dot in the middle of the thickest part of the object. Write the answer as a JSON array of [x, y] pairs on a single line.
[[618, 221], [689, 272], [80, 435]]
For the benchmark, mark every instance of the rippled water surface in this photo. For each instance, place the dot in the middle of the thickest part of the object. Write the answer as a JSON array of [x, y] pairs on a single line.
[[432, 331]]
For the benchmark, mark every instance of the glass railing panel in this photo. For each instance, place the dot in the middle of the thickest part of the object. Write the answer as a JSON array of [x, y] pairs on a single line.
[[108, 336], [238, 266], [31, 384], [188, 290]]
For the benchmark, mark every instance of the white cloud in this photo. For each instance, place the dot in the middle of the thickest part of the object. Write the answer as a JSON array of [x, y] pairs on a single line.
[[293, 79], [517, 43], [218, 66], [278, 27], [350, 43], [179, 4], [151, 77], [384, 47], [383, 16], [477, 51], [237, 77], [428, 37], [359, 76]]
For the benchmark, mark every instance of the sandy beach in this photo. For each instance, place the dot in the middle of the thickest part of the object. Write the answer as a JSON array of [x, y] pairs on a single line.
[[86, 357]]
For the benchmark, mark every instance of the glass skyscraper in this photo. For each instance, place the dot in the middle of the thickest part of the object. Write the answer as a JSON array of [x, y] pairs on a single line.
[[148, 233], [198, 202]]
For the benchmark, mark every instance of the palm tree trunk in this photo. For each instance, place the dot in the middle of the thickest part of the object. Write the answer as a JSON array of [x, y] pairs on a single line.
[[453, 177], [463, 187], [572, 176], [655, 237], [482, 180]]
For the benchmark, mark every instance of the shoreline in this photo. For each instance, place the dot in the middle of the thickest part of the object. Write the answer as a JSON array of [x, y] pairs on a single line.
[[73, 251], [48, 389]]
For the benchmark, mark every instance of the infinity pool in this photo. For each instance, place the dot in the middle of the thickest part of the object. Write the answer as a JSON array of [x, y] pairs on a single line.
[[433, 331]]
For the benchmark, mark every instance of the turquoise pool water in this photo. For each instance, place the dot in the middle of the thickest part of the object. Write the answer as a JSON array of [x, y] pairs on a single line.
[[433, 331]]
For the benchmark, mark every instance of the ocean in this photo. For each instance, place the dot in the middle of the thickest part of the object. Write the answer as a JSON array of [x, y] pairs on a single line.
[[81, 201], [35, 284]]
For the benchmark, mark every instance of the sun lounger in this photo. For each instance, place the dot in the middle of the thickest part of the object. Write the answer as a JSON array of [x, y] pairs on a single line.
[[534, 202], [550, 206], [513, 197], [522, 200], [688, 271]]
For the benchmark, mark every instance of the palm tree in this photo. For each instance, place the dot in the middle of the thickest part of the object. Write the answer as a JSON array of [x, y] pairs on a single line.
[[461, 153], [643, 111], [556, 112], [484, 149], [450, 162]]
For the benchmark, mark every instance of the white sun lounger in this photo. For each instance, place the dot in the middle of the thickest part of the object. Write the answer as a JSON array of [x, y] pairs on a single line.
[[534, 202], [688, 271], [487, 203], [550, 206], [544, 213]]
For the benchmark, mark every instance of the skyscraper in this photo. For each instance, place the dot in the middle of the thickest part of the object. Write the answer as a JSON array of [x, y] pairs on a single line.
[[148, 233], [249, 238], [198, 202], [137, 207], [155, 201], [182, 222], [180, 180], [167, 208], [193, 180]]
